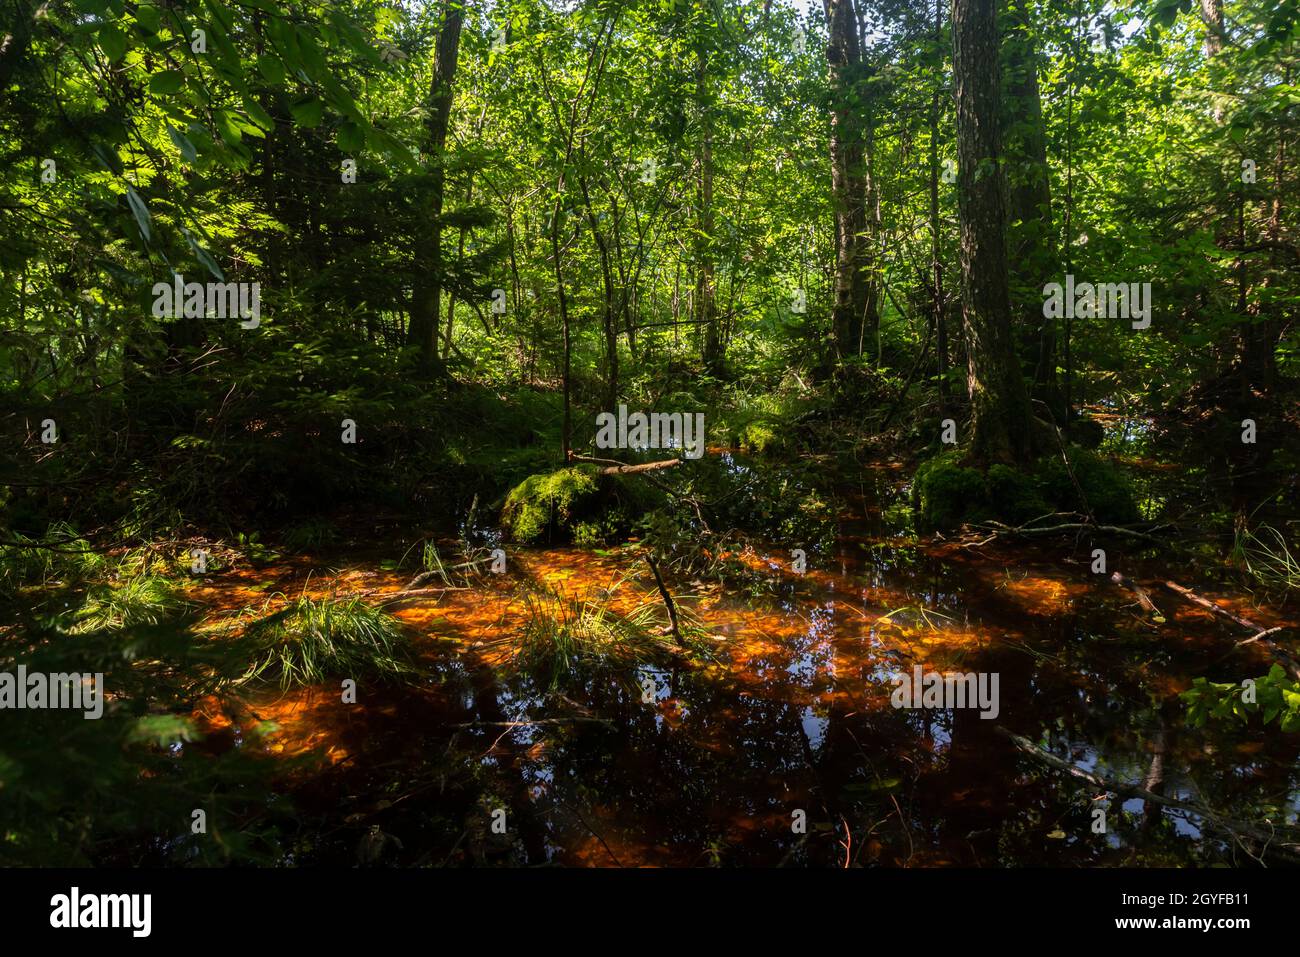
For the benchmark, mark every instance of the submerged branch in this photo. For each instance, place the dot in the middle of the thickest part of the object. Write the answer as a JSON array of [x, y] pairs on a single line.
[[1289, 851]]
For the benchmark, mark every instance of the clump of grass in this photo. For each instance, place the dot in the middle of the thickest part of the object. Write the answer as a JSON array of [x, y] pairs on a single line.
[[1267, 558], [139, 600], [562, 637], [313, 640], [61, 554]]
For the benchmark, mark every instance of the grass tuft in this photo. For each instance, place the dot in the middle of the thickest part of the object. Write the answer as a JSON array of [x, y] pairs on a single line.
[[313, 640]]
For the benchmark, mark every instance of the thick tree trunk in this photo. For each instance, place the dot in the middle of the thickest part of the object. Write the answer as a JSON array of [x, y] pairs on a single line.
[[1002, 422], [426, 299], [1033, 253]]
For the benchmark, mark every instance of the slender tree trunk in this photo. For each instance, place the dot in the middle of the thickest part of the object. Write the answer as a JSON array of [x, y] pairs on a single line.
[[936, 260], [426, 300], [848, 179], [705, 303], [1002, 423], [1212, 16]]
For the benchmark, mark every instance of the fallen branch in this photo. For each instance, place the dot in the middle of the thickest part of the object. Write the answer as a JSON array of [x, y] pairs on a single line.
[[1143, 598], [1206, 603], [1279, 653], [1289, 850], [614, 467], [1002, 529], [668, 599]]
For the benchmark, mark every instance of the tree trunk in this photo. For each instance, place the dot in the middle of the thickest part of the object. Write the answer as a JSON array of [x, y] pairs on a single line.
[[705, 304], [426, 298], [849, 184], [1002, 423], [936, 260], [1032, 249]]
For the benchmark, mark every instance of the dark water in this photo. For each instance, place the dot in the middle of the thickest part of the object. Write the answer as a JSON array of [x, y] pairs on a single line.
[[794, 722]]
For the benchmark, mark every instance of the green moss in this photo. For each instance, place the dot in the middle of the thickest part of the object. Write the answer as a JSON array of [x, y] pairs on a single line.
[[1107, 490], [547, 501], [947, 493], [1014, 495]]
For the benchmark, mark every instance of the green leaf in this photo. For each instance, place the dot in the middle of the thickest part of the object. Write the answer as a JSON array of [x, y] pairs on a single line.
[[226, 127], [272, 70], [182, 143], [112, 40], [308, 112], [147, 18], [258, 115], [203, 256], [352, 138], [166, 83], [140, 211], [313, 57]]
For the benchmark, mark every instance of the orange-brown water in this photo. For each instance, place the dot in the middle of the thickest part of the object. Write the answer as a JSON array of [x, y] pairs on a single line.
[[794, 715]]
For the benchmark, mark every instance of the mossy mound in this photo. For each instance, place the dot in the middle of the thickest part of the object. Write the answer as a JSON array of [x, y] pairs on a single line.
[[579, 504], [946, 493]]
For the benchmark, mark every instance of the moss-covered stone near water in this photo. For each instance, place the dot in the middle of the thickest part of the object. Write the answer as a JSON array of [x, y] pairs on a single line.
[[579, 503], [947, 493]]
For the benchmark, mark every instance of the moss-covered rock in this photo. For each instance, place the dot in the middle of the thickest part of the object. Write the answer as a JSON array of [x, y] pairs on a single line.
[[1014, 496], [578, 503], [550, 501], [947, 492]]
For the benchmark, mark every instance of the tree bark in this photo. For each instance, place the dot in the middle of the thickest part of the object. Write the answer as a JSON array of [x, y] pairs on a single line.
[[705, 303], [426, 298], [854, 308], [1002, 420], [1032, 249]]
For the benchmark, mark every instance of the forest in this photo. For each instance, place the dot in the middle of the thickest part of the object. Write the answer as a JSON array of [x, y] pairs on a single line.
[[674, 433]]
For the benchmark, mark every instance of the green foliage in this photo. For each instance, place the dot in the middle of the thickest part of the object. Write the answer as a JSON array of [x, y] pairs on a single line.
[[136, 600], [564, 641], [947, 493], [58, 556], [1107, 493], [1266, 557], [1275, 698], [119, 790]]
